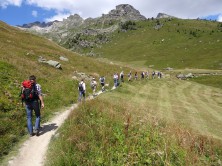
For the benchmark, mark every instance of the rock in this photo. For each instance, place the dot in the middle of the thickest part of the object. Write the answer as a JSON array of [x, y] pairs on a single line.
[[181, 76], [63, 58], [163, 15], [185, 76], [168, 68], [190, 75], [42, 60], [55, 64]]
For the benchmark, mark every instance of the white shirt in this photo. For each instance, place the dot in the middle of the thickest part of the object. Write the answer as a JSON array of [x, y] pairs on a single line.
[[38, 88], [83, 85]]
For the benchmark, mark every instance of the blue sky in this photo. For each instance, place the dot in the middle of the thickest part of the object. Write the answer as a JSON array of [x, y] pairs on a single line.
[[18, 12]]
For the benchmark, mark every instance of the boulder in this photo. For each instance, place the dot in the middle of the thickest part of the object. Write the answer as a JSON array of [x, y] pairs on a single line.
[[181, 76], [63, 58], [55, 64]]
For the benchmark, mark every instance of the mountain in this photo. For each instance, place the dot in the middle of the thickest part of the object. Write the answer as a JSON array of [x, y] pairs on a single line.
[[77, 34], [37, 23], [163, 15]]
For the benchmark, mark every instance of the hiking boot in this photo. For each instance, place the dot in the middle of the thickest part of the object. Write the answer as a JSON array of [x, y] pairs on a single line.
[[36, 131], [31, 135]]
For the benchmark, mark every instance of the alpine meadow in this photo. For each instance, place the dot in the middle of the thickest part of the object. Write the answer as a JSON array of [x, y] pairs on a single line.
[[153, 121]]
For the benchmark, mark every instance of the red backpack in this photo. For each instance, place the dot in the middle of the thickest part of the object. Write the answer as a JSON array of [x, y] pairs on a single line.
[[27, 92]]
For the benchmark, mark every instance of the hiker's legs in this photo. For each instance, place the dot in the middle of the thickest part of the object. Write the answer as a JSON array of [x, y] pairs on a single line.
[[94, 90], [37, 114], [80, 96], [84, 95], [115, 83], [29, 118]]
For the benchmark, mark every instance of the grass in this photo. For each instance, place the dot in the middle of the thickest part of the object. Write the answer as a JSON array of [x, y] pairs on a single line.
[[119, 132], [144, 122], [18, 60], [215, 81], [173, 45]]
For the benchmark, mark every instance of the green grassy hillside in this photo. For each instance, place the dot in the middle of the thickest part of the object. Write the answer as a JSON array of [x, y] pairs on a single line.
[[149, 122], [152, 122], [178, 44], [18, 60]]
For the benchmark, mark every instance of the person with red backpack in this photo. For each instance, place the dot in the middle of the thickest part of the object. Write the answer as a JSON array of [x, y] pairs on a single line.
[[32, 96]]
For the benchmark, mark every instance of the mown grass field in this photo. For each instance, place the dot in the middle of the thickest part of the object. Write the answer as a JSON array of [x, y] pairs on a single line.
[[148, 122]]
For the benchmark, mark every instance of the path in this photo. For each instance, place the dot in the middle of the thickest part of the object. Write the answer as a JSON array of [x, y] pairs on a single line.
[[34, 149]]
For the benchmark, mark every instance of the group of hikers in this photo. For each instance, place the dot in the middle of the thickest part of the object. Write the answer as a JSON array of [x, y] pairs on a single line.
[[117, 79], [31, 94]]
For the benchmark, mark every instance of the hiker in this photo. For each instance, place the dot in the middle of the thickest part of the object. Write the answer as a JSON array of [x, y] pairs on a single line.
[[161, 74], [153, 74], [102, 82], [158, 74], [147, 75], [121, 76], [135, 76], [130, 76], [142, 75], [82, 90], [115, 79], [93, 85], [31, 98]]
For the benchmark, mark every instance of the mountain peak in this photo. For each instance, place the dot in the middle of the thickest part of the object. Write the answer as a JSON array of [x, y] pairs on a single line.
[[127, 12], [163, 15]]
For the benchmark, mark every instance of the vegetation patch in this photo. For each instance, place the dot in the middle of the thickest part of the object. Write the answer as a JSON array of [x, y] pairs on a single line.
[[212, 80], [102, 133]]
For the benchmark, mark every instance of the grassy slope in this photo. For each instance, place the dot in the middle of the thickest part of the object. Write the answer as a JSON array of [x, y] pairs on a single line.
[[178, 44], [20, 50], [18, 59], [156, 122], [178, 111]]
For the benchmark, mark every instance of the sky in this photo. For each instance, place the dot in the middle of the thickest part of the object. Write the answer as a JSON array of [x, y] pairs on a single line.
[[19, 12]]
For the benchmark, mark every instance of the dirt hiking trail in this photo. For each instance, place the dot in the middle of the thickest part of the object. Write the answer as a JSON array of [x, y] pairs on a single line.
[[34, 149]]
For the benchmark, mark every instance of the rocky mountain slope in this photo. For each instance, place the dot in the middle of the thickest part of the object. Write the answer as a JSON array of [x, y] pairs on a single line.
[[75, 33]]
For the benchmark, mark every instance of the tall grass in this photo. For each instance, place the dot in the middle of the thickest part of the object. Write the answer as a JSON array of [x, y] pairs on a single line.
[[104, 133]]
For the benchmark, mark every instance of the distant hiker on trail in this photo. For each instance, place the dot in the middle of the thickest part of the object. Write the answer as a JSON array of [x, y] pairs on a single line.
[[115, 79], [82, 90], [136, 76], [102, 82], [159, 74], [130, 76], [153, 74], [93, 85], [31, 93], [121, 76], [142, 75], [147, 75]]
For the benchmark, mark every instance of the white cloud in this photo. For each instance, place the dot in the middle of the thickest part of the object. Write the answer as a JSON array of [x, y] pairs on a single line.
[[219, 18], [95, 8], [34, 13], [58, 17], [5, 3], [148, 8]]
